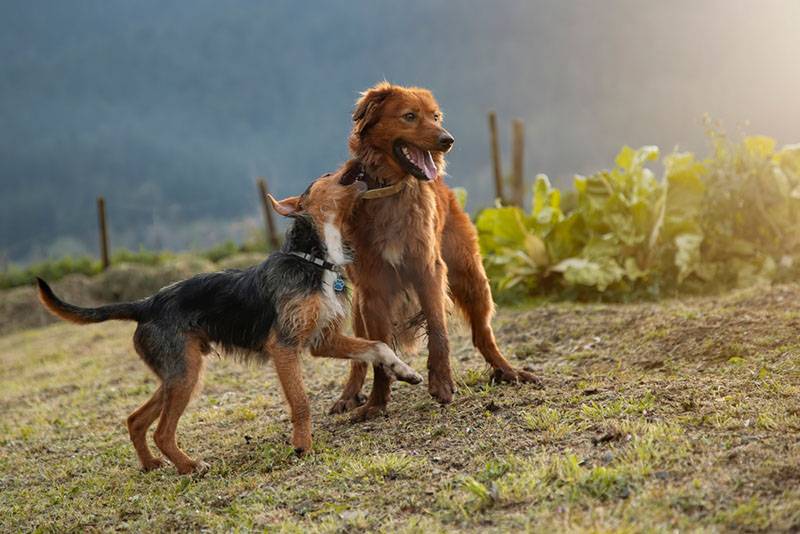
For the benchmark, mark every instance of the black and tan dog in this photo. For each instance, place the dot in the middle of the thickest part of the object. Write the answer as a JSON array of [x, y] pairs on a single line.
[[294, 300]]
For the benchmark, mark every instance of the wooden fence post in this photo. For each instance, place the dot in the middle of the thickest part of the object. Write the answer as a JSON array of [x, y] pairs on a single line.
[[518, 159], [495, 146], [101, 221], [271, 232]]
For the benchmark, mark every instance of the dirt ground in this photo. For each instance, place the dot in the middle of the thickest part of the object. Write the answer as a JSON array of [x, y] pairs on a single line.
[[653, 417]]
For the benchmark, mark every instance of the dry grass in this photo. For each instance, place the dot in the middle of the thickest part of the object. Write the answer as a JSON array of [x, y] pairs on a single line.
[[654, 417]]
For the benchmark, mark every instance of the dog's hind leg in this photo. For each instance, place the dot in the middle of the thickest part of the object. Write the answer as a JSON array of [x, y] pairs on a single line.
[[351, 396], [470, 290], [138, 423], [177, 392]]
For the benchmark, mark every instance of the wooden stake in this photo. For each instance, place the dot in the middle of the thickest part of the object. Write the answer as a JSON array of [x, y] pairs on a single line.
[[518, 159], [495, 146], [271, 232], [101, 221]]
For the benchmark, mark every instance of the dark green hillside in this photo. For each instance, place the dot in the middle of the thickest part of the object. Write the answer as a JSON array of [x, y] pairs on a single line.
[[170, 109]]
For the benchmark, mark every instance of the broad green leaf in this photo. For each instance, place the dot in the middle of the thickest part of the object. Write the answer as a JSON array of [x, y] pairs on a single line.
[[541, 191], [509, 228], [600, 247], [546, 202], [536, 250], [632, 269], [597, 274], [759, 146]]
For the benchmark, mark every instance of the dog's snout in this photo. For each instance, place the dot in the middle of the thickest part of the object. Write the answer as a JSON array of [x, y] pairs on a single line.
[[446, 140]]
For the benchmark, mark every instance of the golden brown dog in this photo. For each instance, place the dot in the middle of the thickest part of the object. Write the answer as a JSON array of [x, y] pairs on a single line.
[[412, 245]]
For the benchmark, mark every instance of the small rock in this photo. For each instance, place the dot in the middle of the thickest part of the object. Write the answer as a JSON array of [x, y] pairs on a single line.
[[347, 515]]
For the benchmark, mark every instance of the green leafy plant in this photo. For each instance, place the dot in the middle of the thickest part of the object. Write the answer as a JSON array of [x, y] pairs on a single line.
[[729, 220]]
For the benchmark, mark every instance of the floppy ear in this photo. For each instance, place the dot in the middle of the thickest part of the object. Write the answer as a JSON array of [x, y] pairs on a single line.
[[367, 111], [351, 172], [286, 207]]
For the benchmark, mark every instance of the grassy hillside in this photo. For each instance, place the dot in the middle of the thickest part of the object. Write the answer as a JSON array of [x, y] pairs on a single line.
[[652, 416]]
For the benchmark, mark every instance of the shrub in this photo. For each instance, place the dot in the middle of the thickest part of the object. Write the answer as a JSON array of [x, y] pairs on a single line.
[[727, 221]]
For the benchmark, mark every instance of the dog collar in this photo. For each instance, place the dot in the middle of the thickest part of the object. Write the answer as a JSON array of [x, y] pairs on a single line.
[[339, 285], [384, 191], [317, 261], [379, 192]]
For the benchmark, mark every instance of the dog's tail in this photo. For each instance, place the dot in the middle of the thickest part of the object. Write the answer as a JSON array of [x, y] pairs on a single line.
[[129, 311]]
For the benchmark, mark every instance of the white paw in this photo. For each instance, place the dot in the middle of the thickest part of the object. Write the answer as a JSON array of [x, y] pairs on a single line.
[[396, 367]]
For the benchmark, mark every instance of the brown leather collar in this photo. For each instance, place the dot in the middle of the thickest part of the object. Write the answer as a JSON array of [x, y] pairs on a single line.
[[380, 192], [384, 191]]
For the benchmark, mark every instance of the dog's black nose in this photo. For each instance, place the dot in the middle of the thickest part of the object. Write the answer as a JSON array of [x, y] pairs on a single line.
[[446, 140]]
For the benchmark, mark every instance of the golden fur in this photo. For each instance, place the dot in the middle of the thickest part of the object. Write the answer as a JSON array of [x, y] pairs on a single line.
[[412, 249]]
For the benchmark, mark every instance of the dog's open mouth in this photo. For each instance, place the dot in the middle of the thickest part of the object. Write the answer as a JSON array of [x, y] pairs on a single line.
[[415, 161]]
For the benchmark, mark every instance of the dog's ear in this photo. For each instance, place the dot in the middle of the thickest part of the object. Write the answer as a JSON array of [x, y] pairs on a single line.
[[351, 172], [367, 111], [286, 207]]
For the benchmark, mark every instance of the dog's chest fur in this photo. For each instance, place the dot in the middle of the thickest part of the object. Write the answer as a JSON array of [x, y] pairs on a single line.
[[333, 304], [404, 225]]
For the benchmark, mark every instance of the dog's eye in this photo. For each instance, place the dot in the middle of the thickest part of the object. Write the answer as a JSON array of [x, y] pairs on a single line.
[[410, 116]]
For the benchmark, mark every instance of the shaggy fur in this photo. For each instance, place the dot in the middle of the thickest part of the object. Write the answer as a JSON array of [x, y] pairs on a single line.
[[415, 248], [273, 310]]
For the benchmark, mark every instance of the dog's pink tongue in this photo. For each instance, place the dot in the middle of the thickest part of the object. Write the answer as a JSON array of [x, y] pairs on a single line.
[[429, 167], [423, 160]]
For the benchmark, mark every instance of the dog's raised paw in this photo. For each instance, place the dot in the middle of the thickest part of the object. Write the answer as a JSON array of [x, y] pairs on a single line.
[[346, 404], [402, 372], [413, 378]]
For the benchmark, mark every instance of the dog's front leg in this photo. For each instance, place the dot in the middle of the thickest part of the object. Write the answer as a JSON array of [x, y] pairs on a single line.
[[287, 365], [376, 353], [351, 396], [430, 284]]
